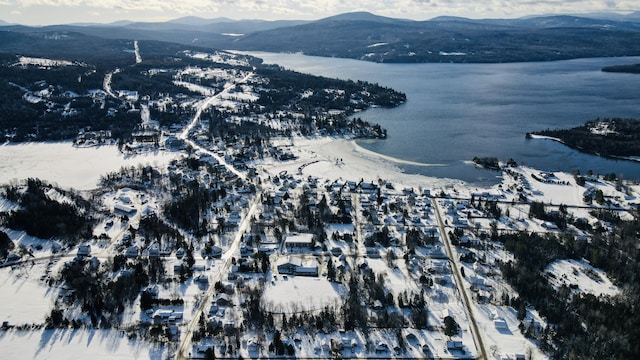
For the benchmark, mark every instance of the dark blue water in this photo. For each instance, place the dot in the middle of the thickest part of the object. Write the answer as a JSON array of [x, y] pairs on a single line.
[[457, 111]]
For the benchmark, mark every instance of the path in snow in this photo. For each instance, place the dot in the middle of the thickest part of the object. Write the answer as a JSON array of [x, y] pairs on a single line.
[[106, 84]]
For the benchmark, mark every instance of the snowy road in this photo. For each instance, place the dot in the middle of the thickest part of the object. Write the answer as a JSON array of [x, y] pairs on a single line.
[[136, 50], [218, 273], [204, 104], [475, 331], [106, 83]]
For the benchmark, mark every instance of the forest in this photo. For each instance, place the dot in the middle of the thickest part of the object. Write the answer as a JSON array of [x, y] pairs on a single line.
[[581, 325], [614, 137], [41, 216]]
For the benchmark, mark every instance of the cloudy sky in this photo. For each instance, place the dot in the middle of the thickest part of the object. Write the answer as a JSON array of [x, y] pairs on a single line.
[[45, 12]]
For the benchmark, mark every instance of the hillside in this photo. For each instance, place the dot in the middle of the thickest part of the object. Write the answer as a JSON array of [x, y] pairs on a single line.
[[365, 36], [58, 85]]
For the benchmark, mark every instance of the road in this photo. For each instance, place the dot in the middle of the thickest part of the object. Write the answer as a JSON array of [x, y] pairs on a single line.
[[218, 272], [136, 50], [475, 332], [184, 135], [106, 83]]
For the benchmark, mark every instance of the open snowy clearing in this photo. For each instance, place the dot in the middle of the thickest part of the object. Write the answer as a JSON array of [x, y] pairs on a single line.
[[68, 166], [296, 293], [499, 328], [581, 276], [79, 343], [24, 298]]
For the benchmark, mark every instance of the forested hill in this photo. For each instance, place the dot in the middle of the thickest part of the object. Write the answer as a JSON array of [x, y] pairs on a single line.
[[62, 85], [369, 37], [603, 137]]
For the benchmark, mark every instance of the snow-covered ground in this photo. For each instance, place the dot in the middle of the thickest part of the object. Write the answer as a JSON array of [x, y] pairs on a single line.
[[325, 158], [295, 293], [581, 276], [78, 344], [333, 159], [25, 298], [25, 60], [68, 166]]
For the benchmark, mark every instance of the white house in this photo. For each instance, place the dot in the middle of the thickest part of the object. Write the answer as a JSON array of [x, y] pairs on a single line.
[[293, 265], [298, 241], [288, 265]]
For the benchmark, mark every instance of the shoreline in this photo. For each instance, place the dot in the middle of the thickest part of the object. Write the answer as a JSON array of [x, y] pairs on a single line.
[[343, 159], [365, 151], [533, 136]]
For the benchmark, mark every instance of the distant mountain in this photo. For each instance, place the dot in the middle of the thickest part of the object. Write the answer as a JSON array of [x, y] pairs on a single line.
[[450, 39], [362, 16], [194, 20], [633, 17], [3, 23], [365, 36], [546, 22]]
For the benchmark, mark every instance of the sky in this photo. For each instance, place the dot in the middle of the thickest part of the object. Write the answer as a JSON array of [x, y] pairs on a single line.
[[48, 12]]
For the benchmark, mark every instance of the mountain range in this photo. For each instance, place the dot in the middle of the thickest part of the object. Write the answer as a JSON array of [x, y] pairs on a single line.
[[366, 36]]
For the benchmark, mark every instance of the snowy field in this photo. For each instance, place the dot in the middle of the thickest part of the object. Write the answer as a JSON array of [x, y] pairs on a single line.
[[68, 166], [24, 298], [296, 293], [78, 344]]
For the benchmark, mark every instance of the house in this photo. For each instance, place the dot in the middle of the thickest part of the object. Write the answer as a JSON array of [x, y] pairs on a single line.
[[84, 250], [222, 300], [308, 268], [288, 265], [132, 251], [153, 251], [246, 251], [153, 291], [166, 316], [381, 348], [298, 241], [124, 209], [268, 247], [293, 265], [437, 252], [253, 347], [377, 305], [373, 253], [500, 324], [211, 252]]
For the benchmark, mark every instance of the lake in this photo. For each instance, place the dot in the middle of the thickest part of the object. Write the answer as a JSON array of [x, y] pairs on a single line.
[[455, 112]]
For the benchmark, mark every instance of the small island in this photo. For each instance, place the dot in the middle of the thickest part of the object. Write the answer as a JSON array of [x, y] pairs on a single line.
[[629, 68], [616, 138]]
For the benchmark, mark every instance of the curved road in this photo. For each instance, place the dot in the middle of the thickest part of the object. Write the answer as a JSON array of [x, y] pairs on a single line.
[[220, 270]]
